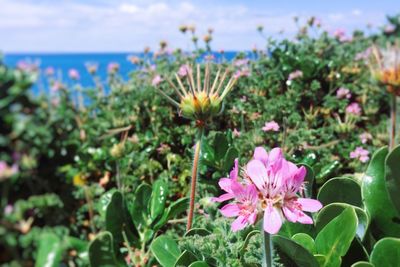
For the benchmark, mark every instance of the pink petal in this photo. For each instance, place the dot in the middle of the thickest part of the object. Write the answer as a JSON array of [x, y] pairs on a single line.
[[272, 220], [239, 223], [235, 171], [225, 184], [257, 173], [230, 210], [261, 154], [252, 218], [304, 219], [310, 205], [289, 214], [222, 198], [275, 159]]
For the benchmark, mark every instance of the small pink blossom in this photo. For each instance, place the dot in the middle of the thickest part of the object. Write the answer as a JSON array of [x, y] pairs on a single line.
[[364, 55], [364, 137], [236, 133], [92, 67], [354, 109], [361, 154], [294, 75], [112, 67], [209, 57], [49, 71], [343, 93], [241, 62], [183, 70], [56, 86], [8, 209], [389, 28], [73, 74], [271, 126], [244, 72], [156, 80], [7, 171], [226, 184]]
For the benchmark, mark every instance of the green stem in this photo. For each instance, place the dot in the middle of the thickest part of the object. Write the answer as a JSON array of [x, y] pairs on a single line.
[[393, 122], [267, 249], [195, 168]]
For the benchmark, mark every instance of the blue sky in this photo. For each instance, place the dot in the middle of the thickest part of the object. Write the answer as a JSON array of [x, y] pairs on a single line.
[[130, 25]]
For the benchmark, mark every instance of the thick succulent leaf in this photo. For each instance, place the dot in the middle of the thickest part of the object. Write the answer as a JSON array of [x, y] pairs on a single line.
[[362, 264], [376, 198], [329, 212], [292, 253], [140, 208], [50, 251], [166, 250], [102, 252], [392, 176], [335, 238], [199, 264], [306, 241], [175, 209], [185, 259], [158, 199], [386, 252], [340, 189]]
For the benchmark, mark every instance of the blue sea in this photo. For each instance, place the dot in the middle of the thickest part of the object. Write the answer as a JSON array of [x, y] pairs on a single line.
[[63, 62]]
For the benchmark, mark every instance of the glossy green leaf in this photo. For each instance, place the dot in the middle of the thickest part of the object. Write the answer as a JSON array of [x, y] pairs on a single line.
[[340, 189], [335, 238], [356, 253], [386, 252], [166, 250], [376, 198], [50, 251], [306, 241], [102, 253], [289, 229], [158, 198], [310, 159], [329, 212], [103, 202], [362, 264], [321, 259], [229, 159], [185, 259], [117, 219], [292, 253], [199, 264], [220, 144], [175, 209], [140, 208], [392, 176], [327, 171]]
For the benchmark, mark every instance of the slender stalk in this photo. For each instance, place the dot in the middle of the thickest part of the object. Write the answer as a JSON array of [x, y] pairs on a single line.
[[393, 121], [195, 167], [268, 249], [90, 209]]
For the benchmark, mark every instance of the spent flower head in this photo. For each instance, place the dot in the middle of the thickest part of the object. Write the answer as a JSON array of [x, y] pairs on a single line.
[[200, 97]]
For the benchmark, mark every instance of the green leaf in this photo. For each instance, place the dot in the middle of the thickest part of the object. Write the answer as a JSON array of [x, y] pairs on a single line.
[[199, 264], [185, 259], [172, 211], [220, 144], [229, 159], [329, 212], [362, 264], [306, 241], [350, 192], [102, 253], [293, 254], [356, 252], [392, 176], [197, 231], [386, 252], [335, 238], [166, 250], [376, 198], [242, 250], [309, 180], [117, 219], [158, 198], [327, 171], [139, 211], [50, 251], [103, 202]]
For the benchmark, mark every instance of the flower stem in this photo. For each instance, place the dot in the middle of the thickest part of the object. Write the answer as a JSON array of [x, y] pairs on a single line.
[[195, 167], [267, 249], [393, 121]]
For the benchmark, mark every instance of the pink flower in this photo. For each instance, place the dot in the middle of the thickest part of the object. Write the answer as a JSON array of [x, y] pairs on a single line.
[[343, 93], [92, 67], [8, 209], [364, 54], [271, 126], [364, 137], [271, 185], [241, 62], [244, 72], [389, 28], [236, 133], [184, 70], [156, 80], [295, 74], [244, 207], [112, 67], [354, 109], [279, 181], [226, 184], [49, 71], [7, 171], [361, 154], [73, 74], [56, 86]]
